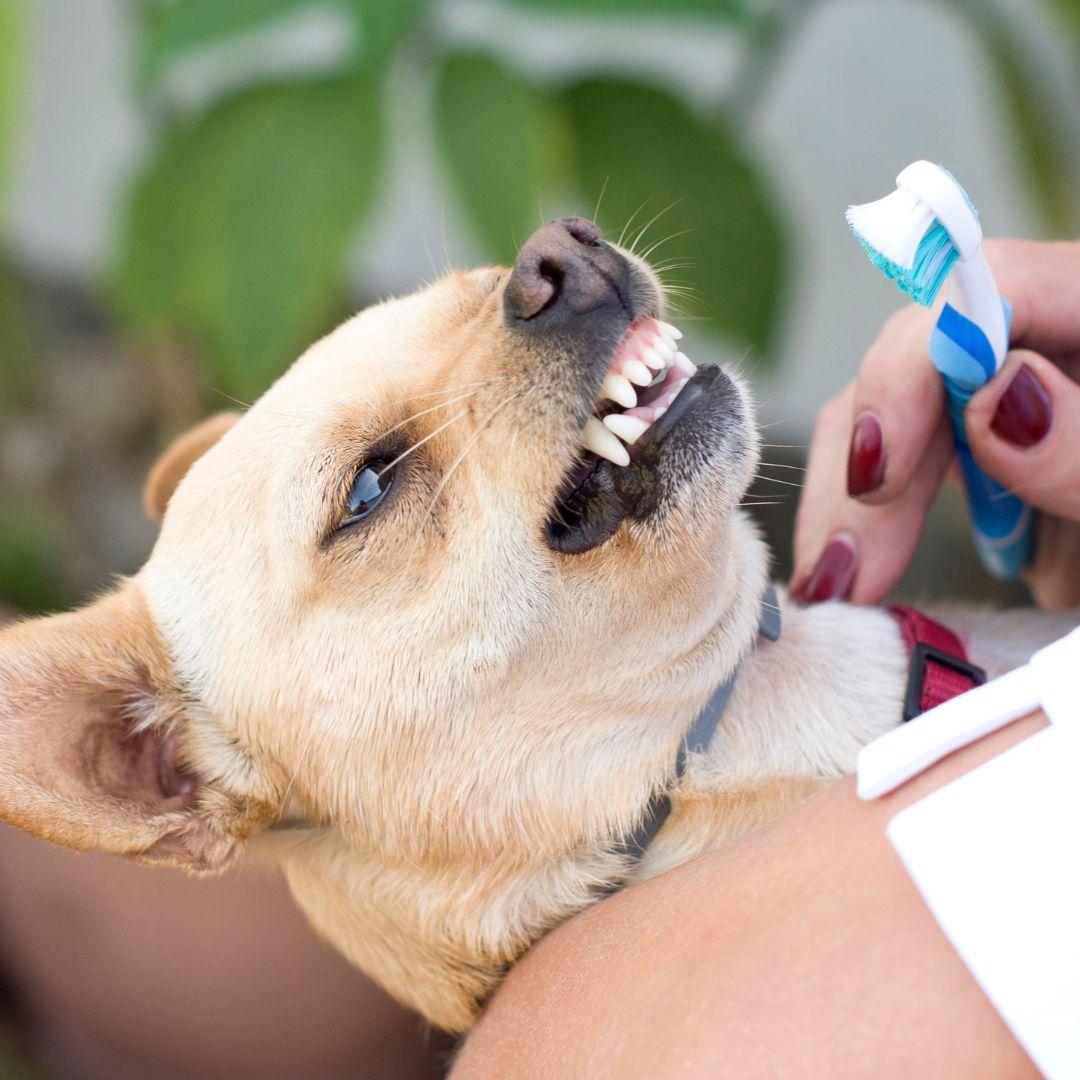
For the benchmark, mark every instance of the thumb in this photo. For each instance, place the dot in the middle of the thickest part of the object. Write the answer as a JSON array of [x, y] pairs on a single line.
[[1024, 430]]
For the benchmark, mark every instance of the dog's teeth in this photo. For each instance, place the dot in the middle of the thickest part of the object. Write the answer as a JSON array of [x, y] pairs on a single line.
[[654, 359], [673, 331], [685, 364], [603, 443], [617, 388], [637, 372], [667, 349], [628, 428], [665, 343]]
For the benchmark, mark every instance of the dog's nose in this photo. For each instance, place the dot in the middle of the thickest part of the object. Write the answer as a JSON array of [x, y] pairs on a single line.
[[563, 268]]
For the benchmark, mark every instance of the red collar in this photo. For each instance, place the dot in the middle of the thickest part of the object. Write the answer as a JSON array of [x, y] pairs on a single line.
[[939, 668]]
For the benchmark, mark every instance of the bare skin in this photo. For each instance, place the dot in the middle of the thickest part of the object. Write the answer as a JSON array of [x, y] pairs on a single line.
[[801, 950]]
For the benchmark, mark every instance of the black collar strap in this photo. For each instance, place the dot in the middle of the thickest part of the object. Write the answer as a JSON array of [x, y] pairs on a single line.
[[697, 739]]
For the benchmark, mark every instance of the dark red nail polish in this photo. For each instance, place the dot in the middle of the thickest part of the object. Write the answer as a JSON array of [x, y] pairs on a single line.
[[1024, 412], [866, 459], [834, 574]]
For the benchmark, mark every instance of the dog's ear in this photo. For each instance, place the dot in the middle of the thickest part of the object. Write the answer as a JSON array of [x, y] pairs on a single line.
[[172, 466], [91, 732]]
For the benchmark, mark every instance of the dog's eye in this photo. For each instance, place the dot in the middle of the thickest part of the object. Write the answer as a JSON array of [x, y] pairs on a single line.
[[369, 487]]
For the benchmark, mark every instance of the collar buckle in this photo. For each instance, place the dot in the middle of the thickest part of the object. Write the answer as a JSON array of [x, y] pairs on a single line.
[[921, 655]]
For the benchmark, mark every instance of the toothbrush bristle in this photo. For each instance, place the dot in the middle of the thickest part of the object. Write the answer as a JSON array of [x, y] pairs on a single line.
[[933, 261], [906, 243]]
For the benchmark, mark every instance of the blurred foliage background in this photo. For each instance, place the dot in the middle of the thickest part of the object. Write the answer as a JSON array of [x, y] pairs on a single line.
[[264, 165]]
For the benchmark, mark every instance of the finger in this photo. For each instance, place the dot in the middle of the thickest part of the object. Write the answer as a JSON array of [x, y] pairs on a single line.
[[1052, 575], [899, 396], [823, 491], [898, 405], [846, 549], [1024, 430], [1042, 283]]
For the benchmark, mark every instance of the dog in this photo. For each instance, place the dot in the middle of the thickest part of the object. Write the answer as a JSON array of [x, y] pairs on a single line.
[[426, 628]]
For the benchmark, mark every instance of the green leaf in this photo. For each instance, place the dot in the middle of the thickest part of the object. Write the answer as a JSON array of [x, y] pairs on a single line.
[[174, 30], [652, 157], [724, 9], [12, 42], [1069, 11], [171, 31], [383, 23], [237, 235], [1029, 105], [504, 144]]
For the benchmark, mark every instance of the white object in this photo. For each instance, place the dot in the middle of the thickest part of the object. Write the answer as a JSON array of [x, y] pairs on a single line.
[[996, 853]]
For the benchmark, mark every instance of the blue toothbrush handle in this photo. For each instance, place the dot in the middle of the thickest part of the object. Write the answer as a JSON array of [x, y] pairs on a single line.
[[1003, 525]]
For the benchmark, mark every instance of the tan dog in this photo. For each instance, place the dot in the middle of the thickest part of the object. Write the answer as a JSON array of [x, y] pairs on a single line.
[[397, 614]]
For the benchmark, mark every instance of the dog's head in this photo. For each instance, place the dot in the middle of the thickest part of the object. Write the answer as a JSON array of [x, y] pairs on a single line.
[[398, 605]]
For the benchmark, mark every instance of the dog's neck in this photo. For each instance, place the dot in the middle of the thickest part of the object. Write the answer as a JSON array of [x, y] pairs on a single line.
[[440, 937], [801, 709]]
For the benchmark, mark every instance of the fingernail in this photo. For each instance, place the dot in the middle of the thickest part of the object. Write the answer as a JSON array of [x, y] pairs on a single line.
[[834, 574], [866, 459], [1024, 412]]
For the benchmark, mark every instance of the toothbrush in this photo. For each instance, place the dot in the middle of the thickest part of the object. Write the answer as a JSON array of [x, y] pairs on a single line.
[[918, 236]]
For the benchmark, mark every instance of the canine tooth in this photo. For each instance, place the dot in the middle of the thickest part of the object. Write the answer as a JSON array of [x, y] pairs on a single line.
[[637, 372], [665, 343], [674, 331], [603, 443], [685, 364], [653, 358], [628, 428], [617, 388]]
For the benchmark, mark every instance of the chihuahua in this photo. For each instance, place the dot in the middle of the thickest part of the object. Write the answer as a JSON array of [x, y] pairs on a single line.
[[427, 625]]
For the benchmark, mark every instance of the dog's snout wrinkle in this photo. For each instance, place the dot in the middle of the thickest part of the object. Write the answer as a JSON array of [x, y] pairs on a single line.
[[563, 270]]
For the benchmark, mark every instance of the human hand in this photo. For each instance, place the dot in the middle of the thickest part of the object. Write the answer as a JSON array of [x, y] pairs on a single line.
[[882, 447]]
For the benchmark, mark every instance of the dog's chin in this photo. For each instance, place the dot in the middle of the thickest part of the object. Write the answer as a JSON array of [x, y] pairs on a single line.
[[704, 431]]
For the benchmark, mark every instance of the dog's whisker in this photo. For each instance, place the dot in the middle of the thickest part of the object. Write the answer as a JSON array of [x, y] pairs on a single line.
[[775, 423], [652, 221], [456, 464], [600, 199], [420, 442], [630, 220], [777, 480], [445, 392], [234, 400], [664, 240], [423, 412], [781, 465], [442, 230], [738, 363], [301, 418], [664, 268], [296, 768]]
